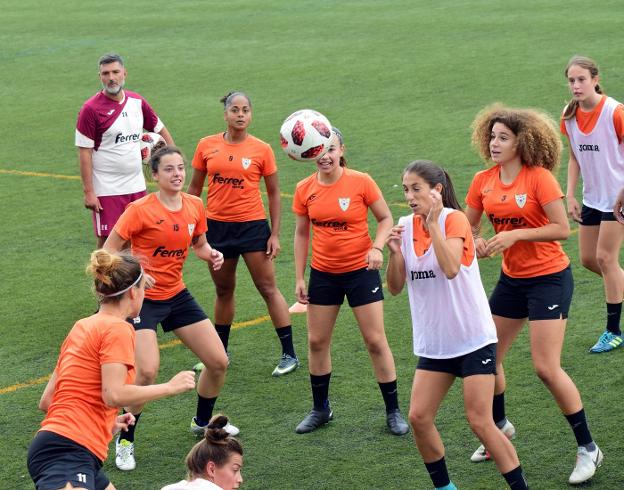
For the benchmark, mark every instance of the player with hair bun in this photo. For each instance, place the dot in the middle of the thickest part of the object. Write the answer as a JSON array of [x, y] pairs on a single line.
[[524, 203], [333, 203], [162, 227], [94, 375], [433, 252], [215, 462], [594, 126], [235, 162]]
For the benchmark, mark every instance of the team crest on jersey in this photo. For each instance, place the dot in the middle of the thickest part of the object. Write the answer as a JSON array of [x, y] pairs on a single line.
[[246, 162], [520, 200], [344, 202], [191, 229]]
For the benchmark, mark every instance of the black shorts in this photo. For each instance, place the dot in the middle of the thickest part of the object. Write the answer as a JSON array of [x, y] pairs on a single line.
[[172, 313], [54, 460], [361, 287], [235, 238], [481, 361], [536, 298], [593, 217]]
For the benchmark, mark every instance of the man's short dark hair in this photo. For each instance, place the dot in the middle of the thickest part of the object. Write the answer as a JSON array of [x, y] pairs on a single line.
[[110, 58]]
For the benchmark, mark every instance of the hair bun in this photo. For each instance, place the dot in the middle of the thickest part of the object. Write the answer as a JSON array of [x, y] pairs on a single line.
[[215, 430]]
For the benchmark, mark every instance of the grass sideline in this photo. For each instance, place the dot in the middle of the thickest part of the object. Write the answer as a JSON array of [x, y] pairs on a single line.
[[403, 80]]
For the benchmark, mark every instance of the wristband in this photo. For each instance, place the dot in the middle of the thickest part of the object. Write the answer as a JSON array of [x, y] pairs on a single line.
[[377, 248]]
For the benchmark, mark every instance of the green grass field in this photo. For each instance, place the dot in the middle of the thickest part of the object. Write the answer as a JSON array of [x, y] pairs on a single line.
[[403, 80]]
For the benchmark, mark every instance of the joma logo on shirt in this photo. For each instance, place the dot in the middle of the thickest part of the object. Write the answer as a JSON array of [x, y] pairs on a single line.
[[336, 225], [219, 179], [588, 148], [121, 138], [422, 275], [163, 252], [506, 221]]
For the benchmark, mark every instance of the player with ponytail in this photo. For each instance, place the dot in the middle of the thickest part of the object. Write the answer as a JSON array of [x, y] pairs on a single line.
[[594, 126], [433, 252]]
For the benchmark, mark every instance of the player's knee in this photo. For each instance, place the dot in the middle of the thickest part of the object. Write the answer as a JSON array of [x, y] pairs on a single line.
[[589, 262], [419, 419], [267, 289], [146, 375], [377, 347], [605, 260], [546, 374], [219, 364], [318, 345], [478, 422], [225, 292]]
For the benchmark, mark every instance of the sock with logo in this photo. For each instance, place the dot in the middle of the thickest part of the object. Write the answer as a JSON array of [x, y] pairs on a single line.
[[129, 434], [515, 479], [204, 409], [438, 473], [578, 422], [320, 390], [285, 336], [390, 395], [498, 410], [614, 312], [224, 334]]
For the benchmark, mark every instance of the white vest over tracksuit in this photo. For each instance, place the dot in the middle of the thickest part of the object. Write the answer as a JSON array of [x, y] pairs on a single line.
[[450, 317], [600, 157]]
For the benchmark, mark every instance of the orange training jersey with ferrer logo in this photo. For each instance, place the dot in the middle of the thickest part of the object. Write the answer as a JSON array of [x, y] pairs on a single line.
[[234, 172], [338, 215], [162, 237], [77, 410], [520, 205]]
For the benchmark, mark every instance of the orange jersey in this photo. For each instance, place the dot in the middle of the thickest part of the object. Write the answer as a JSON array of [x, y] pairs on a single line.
[[234, 172], [520, 205], [162, 237], [77, 410], [456, 226], [338, 214], [586, 121]]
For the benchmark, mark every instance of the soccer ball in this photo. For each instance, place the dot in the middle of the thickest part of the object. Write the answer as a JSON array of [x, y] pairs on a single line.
[[148, 140], [305, 135]]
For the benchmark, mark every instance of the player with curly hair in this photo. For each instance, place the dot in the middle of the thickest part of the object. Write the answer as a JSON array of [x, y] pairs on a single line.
[[523, 201]]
